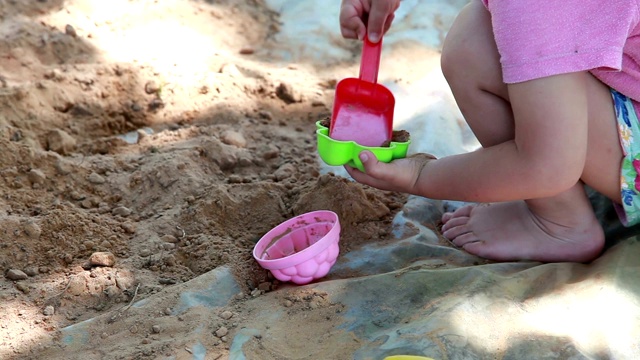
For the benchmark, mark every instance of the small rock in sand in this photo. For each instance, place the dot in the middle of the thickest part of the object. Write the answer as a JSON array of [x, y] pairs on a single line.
[[31, 271], [60, 142], [231, 70], [222, 332], [70, 30], [96, 178], [121, 211], [234, 138], [265, 286], [102, 259], [22, 287], [129, 228], [32, 230], [226, 315], [49, 310], [77, 285], [151, 87], [16, 275], [285, 171], [36, 176], [169, 239], [287, 93], [62, 168]]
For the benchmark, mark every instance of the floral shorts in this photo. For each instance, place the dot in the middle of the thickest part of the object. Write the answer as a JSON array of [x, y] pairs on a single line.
[[629, 131]]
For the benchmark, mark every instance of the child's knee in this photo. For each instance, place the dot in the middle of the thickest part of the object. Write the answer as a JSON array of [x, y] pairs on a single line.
[[468, 42], [454, 60]]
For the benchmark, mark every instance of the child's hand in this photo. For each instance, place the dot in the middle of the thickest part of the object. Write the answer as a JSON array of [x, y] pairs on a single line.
[[402, 175], [354, 13]]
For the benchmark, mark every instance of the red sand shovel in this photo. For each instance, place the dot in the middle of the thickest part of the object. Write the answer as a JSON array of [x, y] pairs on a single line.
[[362, 108]]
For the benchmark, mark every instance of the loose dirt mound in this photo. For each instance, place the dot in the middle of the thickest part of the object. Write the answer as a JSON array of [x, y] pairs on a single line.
[[143, 144]]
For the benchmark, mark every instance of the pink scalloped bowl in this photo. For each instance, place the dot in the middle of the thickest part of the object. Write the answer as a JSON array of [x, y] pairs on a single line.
[[301, 249]]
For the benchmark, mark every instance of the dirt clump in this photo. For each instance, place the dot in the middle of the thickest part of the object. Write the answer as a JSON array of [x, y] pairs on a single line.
[[131, 165]]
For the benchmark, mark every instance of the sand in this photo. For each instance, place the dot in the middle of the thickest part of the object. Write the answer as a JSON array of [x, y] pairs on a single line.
[[144, 144]]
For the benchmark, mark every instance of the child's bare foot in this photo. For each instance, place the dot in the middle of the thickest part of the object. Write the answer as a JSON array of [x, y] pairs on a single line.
[[511, 231]]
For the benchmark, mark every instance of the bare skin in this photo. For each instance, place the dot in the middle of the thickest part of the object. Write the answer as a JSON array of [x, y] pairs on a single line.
[[379, 15], [542, 141]]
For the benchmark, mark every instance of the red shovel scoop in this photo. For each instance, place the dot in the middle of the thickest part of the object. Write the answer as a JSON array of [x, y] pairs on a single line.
[[362, 108]]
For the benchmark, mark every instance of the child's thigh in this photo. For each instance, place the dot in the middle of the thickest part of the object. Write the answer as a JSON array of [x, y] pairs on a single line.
[[604, 153]]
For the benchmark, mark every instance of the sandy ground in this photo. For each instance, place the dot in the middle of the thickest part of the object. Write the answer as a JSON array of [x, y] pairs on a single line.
[[219, 148]]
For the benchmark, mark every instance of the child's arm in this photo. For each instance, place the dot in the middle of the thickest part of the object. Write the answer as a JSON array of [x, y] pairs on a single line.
[[545, 158]]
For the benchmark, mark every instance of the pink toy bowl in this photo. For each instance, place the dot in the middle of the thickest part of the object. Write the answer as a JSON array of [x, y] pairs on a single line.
[[301, 249]]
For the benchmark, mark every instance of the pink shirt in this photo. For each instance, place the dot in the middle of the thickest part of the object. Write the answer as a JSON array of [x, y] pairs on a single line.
[[539, 38]]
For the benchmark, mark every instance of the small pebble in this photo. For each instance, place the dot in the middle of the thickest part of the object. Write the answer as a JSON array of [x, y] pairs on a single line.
[[60, 142], [125, 280], [96, 178], [285, 171], [32, 230], [31, 271], [169, 239], [77, 285], [226, 315], [287, 93], [36, 176], [265, 286], [70, 30], [121, 211], [24, 288], [129, 228], [231, 70], [234, 138], [151, 87], [102, 259], [156, 329], [48, 310], [222, 332], [16, 275]]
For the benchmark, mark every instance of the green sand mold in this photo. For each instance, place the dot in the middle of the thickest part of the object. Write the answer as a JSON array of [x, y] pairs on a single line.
[[337, 152]]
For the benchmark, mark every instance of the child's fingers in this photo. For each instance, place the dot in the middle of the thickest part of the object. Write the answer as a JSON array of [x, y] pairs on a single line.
[[377, 174], [387, 25], [372, 166], [351, 25], [380, 17]]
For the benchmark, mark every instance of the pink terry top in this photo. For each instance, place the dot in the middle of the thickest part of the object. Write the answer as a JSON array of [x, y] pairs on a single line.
[[537, 39]]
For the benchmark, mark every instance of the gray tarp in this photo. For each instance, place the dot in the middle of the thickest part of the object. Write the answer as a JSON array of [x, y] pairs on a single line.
[[419, 296]]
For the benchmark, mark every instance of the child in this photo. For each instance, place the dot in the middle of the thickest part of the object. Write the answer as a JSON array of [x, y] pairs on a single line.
[[541, 85]]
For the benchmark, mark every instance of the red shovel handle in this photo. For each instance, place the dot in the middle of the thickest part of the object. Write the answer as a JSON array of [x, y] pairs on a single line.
[[370, 61]]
